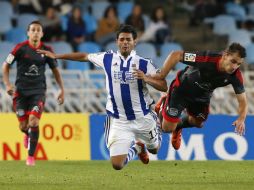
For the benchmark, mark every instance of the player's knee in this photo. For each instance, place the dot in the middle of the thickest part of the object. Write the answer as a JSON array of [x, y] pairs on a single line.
[[23, 126], [117, 166], [33, 121]]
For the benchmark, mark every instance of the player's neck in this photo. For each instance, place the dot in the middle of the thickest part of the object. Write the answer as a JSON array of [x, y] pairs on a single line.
[[221, 66], [34, 44]]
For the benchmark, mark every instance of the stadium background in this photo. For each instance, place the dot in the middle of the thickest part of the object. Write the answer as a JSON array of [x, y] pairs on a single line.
[[75, 130]]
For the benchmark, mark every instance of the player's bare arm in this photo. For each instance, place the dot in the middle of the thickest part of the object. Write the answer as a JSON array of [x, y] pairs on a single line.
[[170, 62], [9, 87], [243, 108], [60, 97], [158, 84], [69, 56]]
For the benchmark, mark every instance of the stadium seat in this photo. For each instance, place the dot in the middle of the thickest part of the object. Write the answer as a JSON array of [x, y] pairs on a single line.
[[16, 35], [6, 9], [223, 25], [166, 48], [64, 22], [124, 9], [5, 24], [250, 54], [89, 47], [111, 46], [24, 20], [76, 65], [91, 23], [146, 50], [240, 36], [5, 49], [236, 10], [98, 8]]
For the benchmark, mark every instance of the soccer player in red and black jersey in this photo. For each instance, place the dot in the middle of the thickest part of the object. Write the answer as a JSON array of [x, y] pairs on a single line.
[[30, 85], [193, 87]]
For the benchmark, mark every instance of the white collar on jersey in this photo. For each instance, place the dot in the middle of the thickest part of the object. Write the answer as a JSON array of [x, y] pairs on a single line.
[[132, 54]]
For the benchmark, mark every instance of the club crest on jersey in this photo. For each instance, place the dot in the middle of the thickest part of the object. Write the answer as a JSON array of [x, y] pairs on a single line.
[[191, 57], [20, 112]]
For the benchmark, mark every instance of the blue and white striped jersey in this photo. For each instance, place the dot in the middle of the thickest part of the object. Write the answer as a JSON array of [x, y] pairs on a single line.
[[128, 98]]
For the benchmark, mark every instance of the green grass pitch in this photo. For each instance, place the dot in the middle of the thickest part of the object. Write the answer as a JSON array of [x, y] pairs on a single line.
[[98, 175]]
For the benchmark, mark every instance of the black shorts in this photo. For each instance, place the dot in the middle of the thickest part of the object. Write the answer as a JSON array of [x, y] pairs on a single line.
[[176, 102], [28, 105]]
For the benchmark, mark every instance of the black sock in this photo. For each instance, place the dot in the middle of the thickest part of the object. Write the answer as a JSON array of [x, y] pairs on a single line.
[[184, 123], [33, 140], [25, 131]]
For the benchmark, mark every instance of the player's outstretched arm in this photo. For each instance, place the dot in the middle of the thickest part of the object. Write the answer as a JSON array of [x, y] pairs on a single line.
[[9, 87], [170, 62], [243, 108], [69, 56]]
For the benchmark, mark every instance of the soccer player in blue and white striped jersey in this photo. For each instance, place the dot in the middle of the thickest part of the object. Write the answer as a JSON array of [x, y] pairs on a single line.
[[130, 127]]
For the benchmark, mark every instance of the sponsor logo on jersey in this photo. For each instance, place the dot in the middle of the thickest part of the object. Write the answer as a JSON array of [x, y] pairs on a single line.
[[191, 57], [172, 111], [33, 71], [10, 58]]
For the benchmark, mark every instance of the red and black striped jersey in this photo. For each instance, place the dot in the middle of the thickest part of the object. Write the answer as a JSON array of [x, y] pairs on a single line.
[[31, 67], [202, 75]]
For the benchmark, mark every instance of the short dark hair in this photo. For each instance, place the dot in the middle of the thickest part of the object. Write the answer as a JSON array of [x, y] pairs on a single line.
[[236, 48], [34, 22], [125, 28]]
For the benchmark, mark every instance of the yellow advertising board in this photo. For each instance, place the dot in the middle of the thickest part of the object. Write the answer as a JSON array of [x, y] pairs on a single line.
[[62, 137]]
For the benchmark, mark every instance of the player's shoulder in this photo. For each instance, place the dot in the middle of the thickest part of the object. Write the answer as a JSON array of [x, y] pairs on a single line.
[[47, 47], [19, 46], [149, 60]]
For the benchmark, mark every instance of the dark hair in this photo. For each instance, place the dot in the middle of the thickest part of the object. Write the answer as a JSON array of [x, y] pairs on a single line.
[[105, 15], [154, 12], [34, 22], [125, 28], [236, 48]]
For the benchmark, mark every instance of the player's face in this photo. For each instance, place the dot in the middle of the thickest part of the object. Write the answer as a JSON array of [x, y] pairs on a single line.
[[125, 43], [232, 61], [35, 32]]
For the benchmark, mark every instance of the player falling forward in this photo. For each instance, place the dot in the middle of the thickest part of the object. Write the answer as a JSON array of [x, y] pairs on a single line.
[[193, 87], [130, 126], [30, 86]]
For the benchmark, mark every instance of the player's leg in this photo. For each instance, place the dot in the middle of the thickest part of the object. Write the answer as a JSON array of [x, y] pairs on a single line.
[[20, 106], [148, 131], [197, 114], [120, 142], [36, 105]]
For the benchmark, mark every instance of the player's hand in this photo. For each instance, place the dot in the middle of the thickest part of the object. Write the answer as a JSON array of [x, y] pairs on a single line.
[[10, 89], [239, 127], [60, 98], [138, 74], [47, 53]]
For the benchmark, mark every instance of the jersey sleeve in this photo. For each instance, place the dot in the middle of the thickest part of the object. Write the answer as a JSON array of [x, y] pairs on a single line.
[[97, 58], [14, 54], [190, 58], [237, 82], [51, 62], [151, 68]]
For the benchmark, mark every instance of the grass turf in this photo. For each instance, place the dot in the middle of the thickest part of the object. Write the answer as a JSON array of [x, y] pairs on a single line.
[[54, 175]]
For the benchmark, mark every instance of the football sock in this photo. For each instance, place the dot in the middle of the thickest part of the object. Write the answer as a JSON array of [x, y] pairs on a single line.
[[25, 131], [133, 150], [184, 123], [33, 140]]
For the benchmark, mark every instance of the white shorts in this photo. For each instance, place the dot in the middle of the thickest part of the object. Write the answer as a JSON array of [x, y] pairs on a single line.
[[121, 134]]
